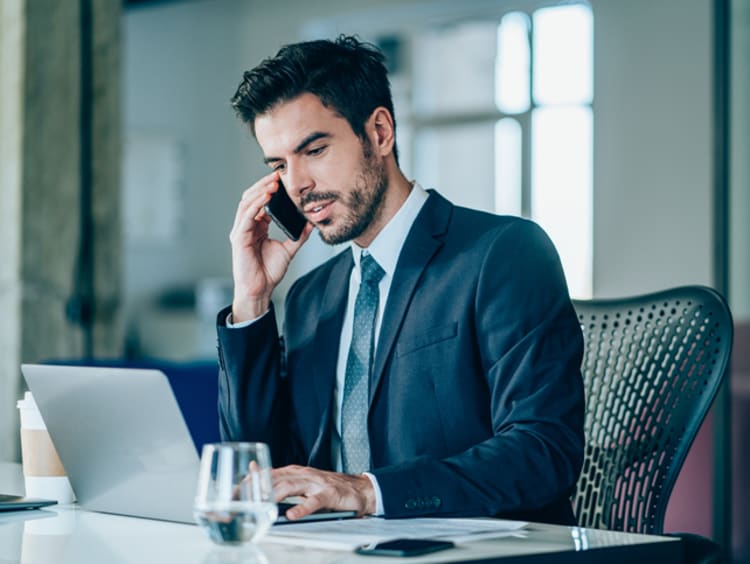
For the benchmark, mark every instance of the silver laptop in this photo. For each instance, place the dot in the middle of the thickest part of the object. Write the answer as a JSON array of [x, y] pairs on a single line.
[[123, 441], [121, 438]]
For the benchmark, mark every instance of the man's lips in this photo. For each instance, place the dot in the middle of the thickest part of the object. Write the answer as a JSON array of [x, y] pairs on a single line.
[[318, 211]]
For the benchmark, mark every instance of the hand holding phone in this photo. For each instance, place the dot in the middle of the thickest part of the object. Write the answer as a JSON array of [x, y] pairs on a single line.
[[285, 214], [404, 547], [259, 262]]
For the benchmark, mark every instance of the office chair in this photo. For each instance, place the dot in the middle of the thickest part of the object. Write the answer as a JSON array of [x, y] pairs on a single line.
[[652, 366]]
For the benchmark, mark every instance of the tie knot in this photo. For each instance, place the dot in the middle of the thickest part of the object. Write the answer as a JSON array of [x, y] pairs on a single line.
[[371, 271]]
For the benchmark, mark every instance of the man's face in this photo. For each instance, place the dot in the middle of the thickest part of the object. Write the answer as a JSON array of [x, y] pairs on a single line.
[[332, 175]]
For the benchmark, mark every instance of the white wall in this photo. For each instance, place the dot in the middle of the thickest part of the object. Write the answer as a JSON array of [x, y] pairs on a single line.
[[181, 64], [652, 139]]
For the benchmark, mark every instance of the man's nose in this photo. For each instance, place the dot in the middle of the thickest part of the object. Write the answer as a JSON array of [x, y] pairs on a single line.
[[297, 181]]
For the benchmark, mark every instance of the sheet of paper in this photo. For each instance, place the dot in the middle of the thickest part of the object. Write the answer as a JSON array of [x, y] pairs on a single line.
[[350, 533]]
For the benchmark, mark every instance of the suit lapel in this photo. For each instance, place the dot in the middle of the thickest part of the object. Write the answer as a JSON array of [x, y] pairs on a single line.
[[423, 241], [327, 338]]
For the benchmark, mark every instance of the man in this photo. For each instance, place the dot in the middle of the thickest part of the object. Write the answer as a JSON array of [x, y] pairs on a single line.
[[447, 382]]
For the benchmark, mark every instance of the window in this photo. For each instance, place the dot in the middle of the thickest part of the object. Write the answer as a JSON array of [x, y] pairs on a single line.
[[499, 117]]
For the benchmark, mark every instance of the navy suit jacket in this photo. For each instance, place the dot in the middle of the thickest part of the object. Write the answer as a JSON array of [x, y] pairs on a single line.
[[476, 399]]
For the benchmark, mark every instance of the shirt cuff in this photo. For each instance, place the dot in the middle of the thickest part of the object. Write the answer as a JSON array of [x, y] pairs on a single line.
[[379, 510], [242, 324]]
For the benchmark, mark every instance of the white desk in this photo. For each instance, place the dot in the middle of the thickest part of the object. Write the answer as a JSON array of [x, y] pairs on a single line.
[[70, 535]]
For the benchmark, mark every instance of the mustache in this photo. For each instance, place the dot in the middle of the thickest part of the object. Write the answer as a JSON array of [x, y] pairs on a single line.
[[312, 197]]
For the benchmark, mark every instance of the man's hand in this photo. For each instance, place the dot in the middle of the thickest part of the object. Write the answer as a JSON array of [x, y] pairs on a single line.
[[258, 263], [323, 490]]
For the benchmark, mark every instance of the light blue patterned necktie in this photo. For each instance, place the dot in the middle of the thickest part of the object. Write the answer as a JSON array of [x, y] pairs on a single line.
[[355, 444]]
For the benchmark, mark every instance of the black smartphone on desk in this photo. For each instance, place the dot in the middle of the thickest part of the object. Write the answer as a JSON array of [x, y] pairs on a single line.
[[404, 547], [285, 214]]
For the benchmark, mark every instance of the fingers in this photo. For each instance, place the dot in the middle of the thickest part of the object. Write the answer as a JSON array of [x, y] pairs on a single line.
[[250, 210], [290, 481], [311, 504], [294, 485], [251, 214], [269, 184], [321, 490], [300, 482]]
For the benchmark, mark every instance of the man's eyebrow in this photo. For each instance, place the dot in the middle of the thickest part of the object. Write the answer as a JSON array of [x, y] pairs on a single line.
[[301, 145]]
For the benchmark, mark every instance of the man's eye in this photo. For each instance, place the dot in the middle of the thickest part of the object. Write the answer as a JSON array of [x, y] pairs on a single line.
[[316, 151], [279, 167]]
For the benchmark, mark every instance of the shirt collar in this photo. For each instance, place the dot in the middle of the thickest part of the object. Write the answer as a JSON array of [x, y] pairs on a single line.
[[387, 245]]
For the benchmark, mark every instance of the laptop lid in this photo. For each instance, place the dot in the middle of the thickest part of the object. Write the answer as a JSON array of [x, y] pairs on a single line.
[[121, 437]]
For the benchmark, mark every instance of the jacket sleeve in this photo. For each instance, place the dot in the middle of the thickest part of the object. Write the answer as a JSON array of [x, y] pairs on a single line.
[[253, 395], [530, 345]]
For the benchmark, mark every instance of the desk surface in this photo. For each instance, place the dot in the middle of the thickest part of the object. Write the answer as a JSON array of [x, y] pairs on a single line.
[[68, 534]]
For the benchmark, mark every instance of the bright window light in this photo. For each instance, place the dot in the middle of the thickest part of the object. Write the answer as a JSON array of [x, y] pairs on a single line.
[[563, 55], [561, 187], [503, 121], [512, 64]]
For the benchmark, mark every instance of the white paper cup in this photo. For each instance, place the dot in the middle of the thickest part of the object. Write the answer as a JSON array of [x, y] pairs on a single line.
[[43, 473]]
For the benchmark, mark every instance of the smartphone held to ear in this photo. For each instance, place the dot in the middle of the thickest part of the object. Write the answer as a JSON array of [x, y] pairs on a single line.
[[285, 214]]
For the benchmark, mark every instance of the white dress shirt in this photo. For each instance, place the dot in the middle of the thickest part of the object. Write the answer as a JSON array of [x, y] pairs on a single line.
[[385, 249]]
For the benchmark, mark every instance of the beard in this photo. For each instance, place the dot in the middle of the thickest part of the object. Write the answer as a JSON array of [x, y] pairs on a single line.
[[364, 203]]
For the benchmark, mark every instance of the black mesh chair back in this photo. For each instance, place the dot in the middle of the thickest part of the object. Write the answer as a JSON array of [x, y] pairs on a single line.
[[652, 366]]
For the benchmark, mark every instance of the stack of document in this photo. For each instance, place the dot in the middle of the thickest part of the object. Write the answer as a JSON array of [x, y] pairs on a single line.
[[351, 533]]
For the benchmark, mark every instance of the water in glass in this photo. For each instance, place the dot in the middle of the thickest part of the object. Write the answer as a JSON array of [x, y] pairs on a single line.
[[234, 502]]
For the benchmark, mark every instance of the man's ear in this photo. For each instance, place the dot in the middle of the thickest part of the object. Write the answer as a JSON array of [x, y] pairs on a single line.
[[381, 131]]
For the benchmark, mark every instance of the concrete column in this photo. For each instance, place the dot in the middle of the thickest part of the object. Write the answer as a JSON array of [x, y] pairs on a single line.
[[108, 328], [41, 130], [11, 70]]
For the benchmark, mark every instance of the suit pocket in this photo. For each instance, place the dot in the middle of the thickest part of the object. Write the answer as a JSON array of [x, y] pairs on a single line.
[[428, 337]]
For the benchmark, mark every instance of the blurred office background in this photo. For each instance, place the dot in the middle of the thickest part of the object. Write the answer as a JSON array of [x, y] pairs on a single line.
[[621, 126]]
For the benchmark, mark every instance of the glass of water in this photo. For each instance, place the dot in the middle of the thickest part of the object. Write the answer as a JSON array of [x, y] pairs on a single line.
[[234, 502]]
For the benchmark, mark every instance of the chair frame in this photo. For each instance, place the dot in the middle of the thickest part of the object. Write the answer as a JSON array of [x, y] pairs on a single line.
[[658, 361]]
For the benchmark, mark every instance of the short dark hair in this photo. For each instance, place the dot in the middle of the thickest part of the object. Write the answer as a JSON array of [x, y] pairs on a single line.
[[347, 75]]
